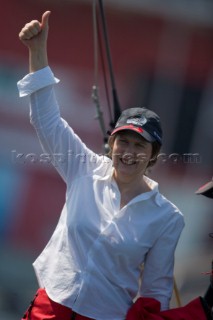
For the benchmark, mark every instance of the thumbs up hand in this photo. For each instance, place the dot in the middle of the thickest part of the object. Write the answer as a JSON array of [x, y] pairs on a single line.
[[34, 35]]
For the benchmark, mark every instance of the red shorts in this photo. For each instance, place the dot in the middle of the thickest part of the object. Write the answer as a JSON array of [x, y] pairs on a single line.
[[43, 308]]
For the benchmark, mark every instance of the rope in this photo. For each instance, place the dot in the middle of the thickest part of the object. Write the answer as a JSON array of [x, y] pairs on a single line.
[[95, 93]]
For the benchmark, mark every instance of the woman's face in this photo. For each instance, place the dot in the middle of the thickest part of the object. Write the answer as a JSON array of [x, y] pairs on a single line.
[[130, 154]]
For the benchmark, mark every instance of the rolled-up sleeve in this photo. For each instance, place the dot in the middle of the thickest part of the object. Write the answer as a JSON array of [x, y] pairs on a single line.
[[35, 81]]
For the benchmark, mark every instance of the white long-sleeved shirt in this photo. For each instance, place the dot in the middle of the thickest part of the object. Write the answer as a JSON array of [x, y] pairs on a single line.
[[92, 263]]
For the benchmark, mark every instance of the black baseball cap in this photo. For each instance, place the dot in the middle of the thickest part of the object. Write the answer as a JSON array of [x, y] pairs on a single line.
[[206, 189], [141, 120]]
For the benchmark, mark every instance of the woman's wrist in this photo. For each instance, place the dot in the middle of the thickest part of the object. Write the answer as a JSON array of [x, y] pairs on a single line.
[[37, 59]]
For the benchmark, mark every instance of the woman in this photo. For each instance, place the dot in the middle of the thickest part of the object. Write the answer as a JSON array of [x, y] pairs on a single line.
[[114, 219]]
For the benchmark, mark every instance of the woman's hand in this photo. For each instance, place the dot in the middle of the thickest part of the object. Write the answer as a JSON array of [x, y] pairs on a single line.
[[34, 35]]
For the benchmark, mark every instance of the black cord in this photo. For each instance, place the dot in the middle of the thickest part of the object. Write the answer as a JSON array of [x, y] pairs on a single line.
[[116, 104]]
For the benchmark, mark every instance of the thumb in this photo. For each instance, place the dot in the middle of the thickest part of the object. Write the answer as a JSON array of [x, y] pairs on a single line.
[[45, 19]]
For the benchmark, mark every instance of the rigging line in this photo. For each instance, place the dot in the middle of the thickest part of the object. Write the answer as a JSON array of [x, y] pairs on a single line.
[[95, 39], [116, 105], [95, 95], [103, 19], [104, 72]]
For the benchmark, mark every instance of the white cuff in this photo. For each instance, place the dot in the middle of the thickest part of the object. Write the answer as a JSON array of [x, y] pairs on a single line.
[[35, 81]]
